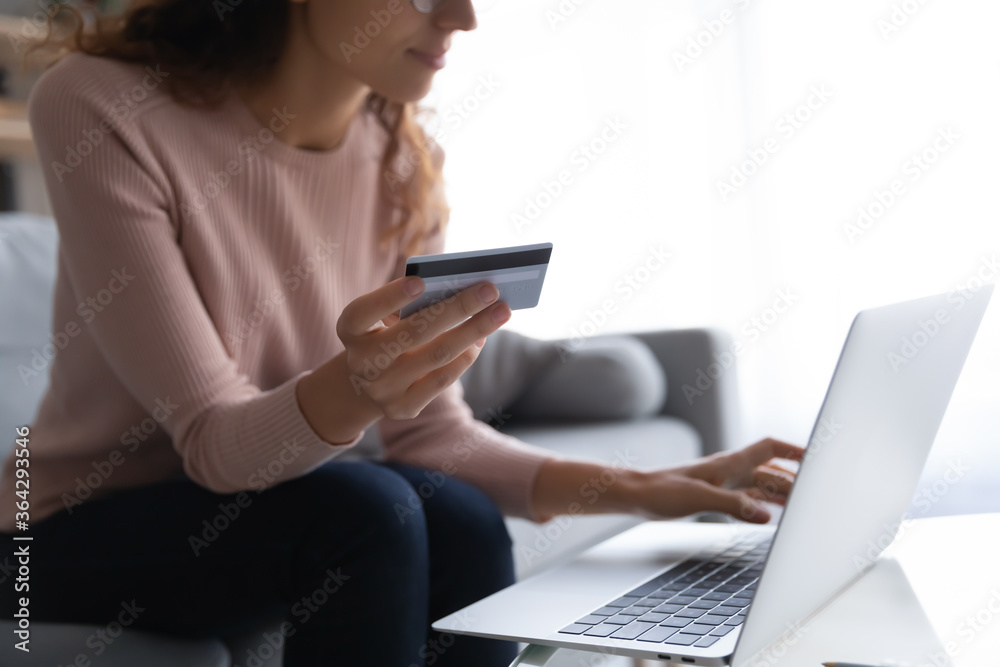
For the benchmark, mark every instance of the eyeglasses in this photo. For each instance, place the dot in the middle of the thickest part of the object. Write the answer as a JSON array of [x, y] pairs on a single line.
[[425, 6], [428, 6]]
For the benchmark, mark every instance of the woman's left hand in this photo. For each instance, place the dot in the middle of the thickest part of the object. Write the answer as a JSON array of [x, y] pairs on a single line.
[[732, 482]]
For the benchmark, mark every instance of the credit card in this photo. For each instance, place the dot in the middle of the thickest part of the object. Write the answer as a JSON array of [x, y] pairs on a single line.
[[517, 271]]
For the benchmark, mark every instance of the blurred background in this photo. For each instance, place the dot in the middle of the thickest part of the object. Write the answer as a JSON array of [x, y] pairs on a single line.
[[797, 162]]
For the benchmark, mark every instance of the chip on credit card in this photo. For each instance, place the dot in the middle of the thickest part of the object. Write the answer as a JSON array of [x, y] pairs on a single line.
[[517, 271]]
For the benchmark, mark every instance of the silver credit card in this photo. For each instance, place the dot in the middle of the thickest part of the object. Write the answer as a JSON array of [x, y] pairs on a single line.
[[517, 271]]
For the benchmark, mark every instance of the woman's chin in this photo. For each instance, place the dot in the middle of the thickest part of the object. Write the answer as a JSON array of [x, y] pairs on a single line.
[[411, 89]]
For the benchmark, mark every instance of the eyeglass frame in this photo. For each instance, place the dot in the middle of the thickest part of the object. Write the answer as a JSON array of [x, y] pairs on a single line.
[[425, 6]]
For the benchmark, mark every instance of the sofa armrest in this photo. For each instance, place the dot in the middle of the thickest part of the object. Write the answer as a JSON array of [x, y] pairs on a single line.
[[701, 374]]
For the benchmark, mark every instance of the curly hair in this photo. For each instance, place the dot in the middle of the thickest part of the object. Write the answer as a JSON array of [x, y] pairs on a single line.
[[206, 55]]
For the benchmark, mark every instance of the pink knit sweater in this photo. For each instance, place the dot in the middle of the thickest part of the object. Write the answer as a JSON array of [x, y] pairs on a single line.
[[203, 265]]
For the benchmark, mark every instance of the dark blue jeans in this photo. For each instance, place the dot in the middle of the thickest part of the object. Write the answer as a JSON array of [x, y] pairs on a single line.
[[359, 558]]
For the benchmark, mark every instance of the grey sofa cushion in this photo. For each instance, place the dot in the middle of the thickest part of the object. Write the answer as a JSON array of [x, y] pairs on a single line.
[[604, 378], [508, 364], [609, 377], [28, 247]]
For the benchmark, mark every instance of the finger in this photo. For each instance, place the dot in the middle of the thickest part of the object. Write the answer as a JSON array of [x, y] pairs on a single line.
[[775, 466], [736, 469], [717, 468], [776, 484], [361, 314], [427, 388], [450, 345], [778, 466], [769, 448], [743, 505], [737, 465], [427, 324]]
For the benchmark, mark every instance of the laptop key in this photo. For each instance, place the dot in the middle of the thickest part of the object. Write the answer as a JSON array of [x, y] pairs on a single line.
[[729, 588], [593, 619], [575, 629], [682, 639], [676, 622], [620, 619], [626, 601], [713, 619], [636, 611], [653, 617], [705, 642], [682, 599], [703, 604], [690, 613], [735, 620], [715, 596], [722, 631], [668, 608], [605, 611], [602, 630], [657, 634], [646, 602], [699, 629], [633, 630]]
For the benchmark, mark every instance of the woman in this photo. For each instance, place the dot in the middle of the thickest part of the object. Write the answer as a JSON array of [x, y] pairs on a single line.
[[237, 186]]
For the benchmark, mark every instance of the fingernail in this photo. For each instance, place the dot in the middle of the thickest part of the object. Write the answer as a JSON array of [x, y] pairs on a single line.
[[480, 342], [488, 293], [414, 286], [501, 314]]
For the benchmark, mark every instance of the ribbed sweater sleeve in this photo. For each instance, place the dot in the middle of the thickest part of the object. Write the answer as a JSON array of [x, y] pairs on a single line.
[[119, 241]]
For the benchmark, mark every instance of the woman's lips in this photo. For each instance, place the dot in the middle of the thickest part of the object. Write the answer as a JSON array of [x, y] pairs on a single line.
[[432, 60]]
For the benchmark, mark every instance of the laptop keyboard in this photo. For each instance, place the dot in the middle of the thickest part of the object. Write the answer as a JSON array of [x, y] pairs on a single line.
[[695, 603]]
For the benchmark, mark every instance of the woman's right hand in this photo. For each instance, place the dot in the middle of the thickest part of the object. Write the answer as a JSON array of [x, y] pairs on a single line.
[[402, 365]]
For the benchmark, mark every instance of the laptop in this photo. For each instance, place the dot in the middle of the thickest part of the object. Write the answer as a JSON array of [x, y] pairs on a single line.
[[732, 593]]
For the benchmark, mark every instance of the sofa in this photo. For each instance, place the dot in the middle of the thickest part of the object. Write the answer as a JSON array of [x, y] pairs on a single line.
[[537, 391]]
